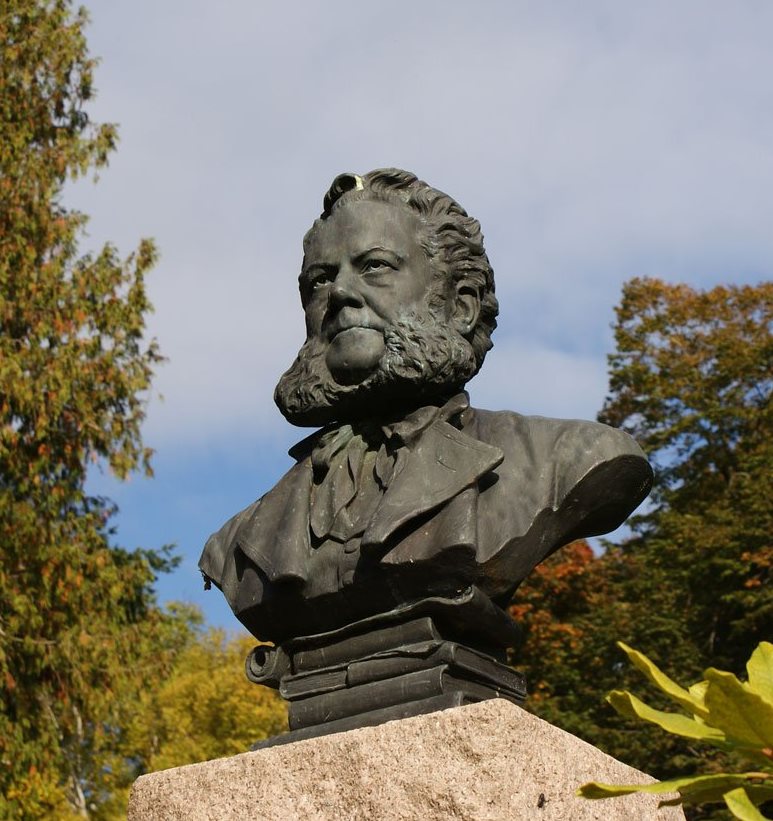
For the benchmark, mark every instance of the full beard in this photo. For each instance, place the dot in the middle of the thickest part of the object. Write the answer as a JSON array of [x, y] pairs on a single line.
[[425, 359]]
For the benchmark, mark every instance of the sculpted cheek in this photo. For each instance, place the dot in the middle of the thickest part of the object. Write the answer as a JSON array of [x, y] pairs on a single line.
[[314, 313]]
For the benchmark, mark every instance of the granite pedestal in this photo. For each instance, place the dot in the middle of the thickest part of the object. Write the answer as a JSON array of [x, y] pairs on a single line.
[[488, 762]]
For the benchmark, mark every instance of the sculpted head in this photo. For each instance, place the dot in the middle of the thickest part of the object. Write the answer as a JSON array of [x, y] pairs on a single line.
[[399, 300]]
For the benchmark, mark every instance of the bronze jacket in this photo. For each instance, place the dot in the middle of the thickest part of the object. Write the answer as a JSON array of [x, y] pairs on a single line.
[[480, 500]]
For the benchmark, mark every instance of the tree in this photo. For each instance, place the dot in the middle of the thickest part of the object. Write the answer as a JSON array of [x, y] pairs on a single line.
[[691, 380], [80, 633], [206, 708], [548, 608], [572, 609]]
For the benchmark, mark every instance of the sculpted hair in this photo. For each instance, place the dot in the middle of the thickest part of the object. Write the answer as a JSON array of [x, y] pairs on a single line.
[[451, 239]]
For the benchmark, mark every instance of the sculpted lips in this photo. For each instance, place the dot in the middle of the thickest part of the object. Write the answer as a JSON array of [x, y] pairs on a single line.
[[349, 320]]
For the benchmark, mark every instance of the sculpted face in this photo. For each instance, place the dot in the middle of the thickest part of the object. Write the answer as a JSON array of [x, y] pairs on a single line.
[[383, 334], [364, 270]]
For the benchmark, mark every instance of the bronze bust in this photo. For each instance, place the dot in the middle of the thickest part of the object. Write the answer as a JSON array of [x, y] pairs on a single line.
[[407, 494]]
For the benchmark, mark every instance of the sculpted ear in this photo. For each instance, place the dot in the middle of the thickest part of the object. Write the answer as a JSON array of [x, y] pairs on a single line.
[[466, 308]]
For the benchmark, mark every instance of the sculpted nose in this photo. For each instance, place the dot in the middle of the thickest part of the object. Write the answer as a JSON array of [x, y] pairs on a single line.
[[345, 290]]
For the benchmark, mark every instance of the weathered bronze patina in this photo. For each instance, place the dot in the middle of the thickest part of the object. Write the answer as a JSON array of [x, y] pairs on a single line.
[[381, 563]]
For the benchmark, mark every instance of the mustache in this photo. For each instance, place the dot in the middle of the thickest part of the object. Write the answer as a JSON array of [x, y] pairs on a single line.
[[346, 319]]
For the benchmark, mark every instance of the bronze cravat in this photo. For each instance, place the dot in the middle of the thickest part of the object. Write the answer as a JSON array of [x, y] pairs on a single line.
[[354, 464]]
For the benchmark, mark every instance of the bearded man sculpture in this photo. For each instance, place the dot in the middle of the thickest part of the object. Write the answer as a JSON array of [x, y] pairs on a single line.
[[408, 507]]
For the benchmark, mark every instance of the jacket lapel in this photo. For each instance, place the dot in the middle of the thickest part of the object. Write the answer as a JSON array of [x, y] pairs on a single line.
[[441, 465], [274, 533]]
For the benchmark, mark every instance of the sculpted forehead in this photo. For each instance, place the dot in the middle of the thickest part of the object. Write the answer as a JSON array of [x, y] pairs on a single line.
[[362, 225]]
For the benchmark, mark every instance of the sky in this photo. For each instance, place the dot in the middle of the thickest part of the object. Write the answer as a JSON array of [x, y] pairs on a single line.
[[594, 141]]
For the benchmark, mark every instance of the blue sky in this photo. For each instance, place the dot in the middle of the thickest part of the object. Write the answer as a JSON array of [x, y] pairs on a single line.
[[595, 142]]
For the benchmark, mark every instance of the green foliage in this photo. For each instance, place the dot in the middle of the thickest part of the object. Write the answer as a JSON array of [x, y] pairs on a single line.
[[739, 803], [691, 380], [723, 711], [206, 708], [80, 634]]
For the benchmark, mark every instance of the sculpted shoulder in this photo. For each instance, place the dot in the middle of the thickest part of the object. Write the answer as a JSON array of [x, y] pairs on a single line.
[[277, 550], [575, 445], [218, 549], [561, 480]]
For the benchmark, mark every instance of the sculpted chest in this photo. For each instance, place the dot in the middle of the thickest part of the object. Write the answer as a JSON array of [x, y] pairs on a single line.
[[461, 511]]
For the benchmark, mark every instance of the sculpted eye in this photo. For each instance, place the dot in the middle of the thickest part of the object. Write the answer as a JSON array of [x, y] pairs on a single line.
[[319, 277], [312, 281], [376, 264]]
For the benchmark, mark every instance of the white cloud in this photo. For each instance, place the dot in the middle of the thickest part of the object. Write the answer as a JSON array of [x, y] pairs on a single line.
[[594, 143], [530, 379]]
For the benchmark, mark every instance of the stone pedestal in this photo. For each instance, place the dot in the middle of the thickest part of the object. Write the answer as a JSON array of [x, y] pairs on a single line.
[[484, 762]]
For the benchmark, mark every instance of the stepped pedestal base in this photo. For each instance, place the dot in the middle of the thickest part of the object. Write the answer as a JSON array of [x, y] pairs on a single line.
[[428, 655]]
